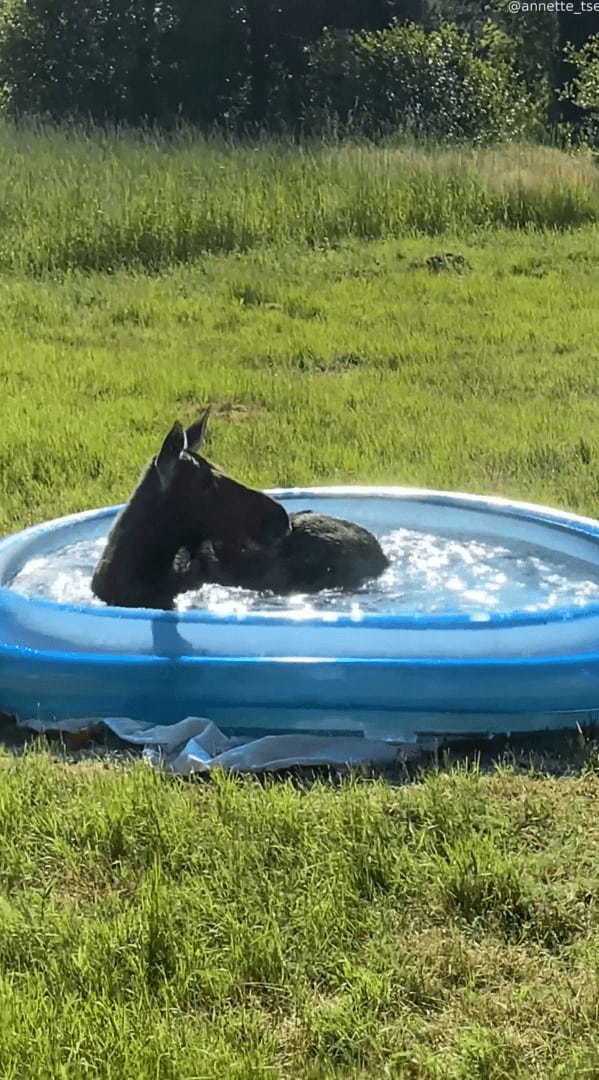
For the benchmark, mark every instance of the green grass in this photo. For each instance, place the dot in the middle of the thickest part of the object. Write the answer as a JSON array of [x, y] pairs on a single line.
[[444, 930], [352, 364], [150, 928], [71, 201]]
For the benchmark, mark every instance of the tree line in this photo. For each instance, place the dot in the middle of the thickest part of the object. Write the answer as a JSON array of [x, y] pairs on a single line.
[[463, 68]]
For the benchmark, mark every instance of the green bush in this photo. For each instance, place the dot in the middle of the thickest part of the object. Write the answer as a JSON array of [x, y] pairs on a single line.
[[583, 90], [427, 83]]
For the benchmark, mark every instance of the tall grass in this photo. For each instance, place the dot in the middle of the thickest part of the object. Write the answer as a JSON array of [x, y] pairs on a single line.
[[101, 201]]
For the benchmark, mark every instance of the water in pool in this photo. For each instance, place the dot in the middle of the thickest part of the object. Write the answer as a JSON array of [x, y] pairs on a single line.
[[430, 572]]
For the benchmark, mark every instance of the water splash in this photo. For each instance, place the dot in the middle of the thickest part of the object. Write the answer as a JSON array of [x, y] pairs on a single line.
[[431, 573]]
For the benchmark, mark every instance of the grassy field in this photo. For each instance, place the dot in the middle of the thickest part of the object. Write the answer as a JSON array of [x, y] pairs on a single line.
[[353, 363], [70, 202], [446, 928], [155, 929]]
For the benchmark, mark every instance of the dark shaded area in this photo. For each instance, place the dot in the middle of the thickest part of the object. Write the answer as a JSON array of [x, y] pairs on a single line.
[[247, 64], [557, 754], [92, 743]]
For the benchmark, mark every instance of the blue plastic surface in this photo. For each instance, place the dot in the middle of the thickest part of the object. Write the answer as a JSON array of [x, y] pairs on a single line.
[[388, 677]]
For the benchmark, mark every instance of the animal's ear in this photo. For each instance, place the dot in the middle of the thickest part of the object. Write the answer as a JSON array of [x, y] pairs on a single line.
[[169, 454], [196, 432]]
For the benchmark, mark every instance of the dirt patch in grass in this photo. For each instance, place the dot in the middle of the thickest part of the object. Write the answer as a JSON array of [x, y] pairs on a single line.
[[446, 262], [235, 411]]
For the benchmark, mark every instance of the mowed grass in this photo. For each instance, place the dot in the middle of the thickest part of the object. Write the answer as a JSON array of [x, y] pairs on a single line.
[[152, 928], [347, 364], [103, 201], [158, 929]]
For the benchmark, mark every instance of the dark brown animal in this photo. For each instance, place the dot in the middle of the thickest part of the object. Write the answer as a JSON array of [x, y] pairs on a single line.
[[181, 503], [319, 552]]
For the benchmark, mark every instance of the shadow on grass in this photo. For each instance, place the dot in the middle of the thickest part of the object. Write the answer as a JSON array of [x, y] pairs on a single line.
[[553, 754], [98, 744]]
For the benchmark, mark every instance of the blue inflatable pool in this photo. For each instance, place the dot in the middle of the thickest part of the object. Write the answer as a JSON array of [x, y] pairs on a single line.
[[385, 674]]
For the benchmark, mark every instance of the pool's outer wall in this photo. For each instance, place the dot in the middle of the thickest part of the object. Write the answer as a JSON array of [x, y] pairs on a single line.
[[386, 697]]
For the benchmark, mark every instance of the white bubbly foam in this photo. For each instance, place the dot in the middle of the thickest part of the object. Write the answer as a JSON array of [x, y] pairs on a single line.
[[430, 573]]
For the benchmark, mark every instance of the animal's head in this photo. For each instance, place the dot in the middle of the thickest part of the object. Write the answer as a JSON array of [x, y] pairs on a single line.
[[208, 505]]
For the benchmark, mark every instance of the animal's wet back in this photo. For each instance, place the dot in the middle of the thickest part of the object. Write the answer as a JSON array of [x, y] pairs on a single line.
[[435, 572]]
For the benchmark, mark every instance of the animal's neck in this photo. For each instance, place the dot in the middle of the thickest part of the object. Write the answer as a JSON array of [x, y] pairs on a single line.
[[147, 534], [137, 565]]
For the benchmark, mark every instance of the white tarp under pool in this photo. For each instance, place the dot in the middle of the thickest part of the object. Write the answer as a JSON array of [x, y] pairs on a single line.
[[196, 745]]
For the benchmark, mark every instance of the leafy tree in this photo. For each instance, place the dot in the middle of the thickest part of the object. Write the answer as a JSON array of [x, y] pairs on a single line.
[[267, 63], [574, 32], [583, 89], [204, 61], [527, 40], [405, 78], [93, 59], [123, 60], [280, 33]]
